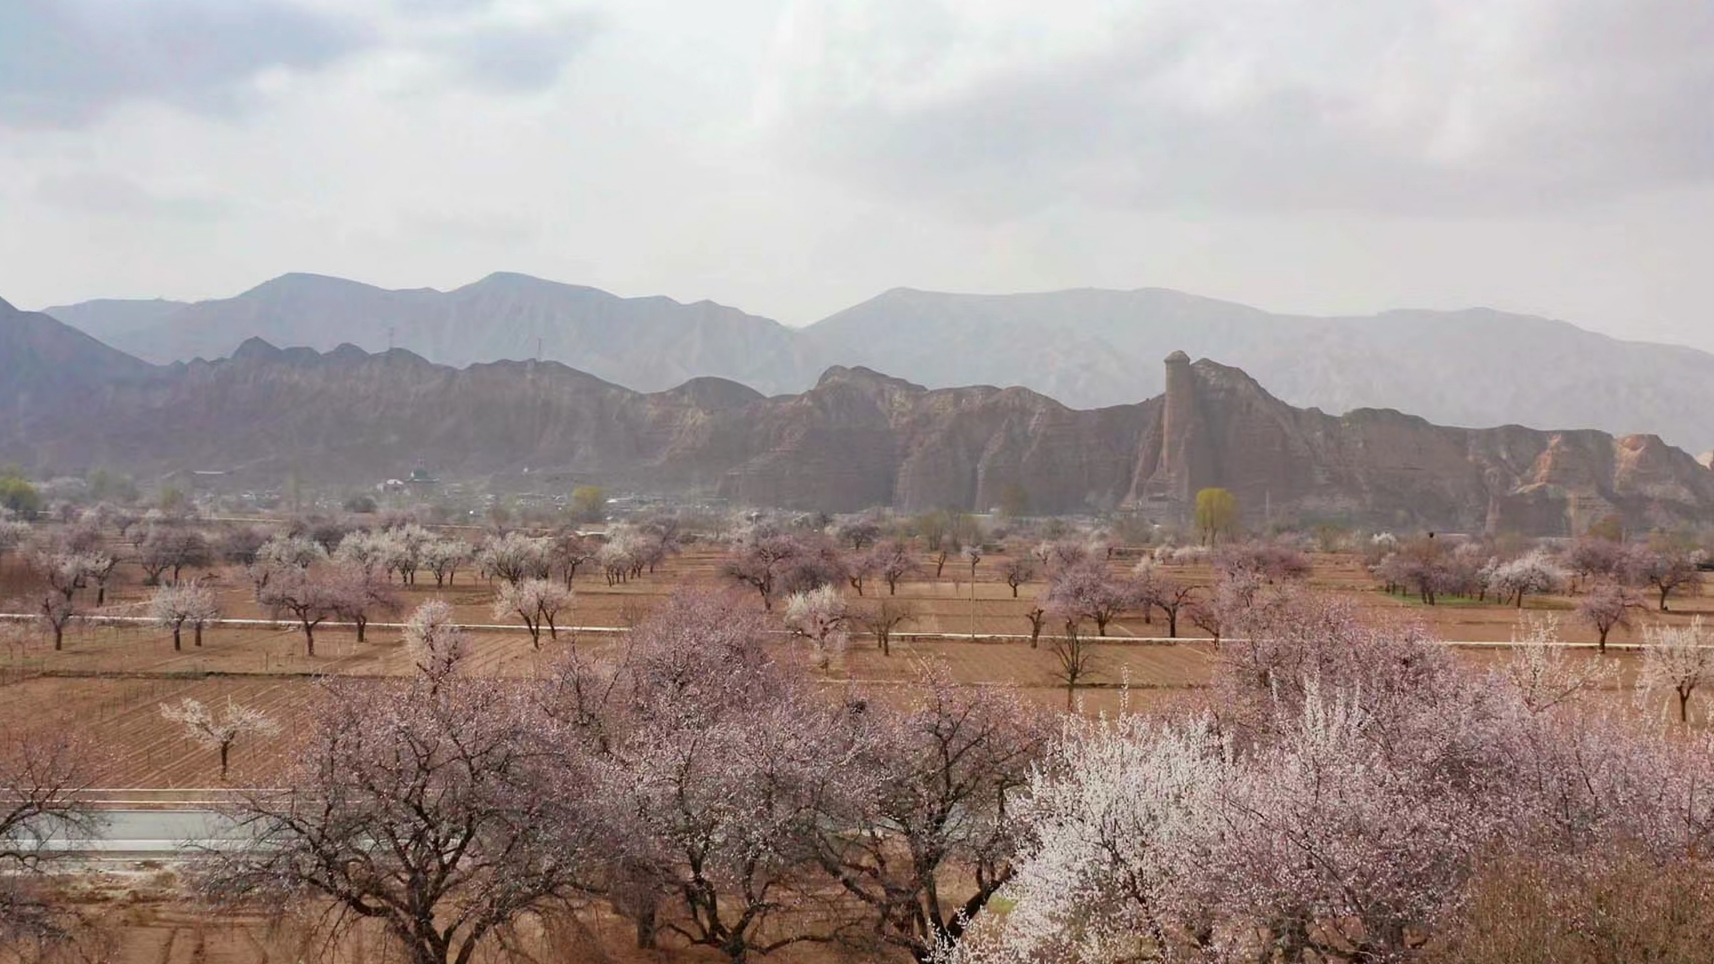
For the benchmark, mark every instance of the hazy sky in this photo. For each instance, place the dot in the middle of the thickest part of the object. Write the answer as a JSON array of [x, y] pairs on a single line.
[[794, 156]]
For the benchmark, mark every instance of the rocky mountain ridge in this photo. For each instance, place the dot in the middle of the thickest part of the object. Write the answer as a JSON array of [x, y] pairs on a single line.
[[856, 439], [1086, 347]]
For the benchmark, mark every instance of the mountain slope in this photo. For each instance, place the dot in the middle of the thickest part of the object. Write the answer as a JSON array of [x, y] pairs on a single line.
[[1096, 347], [1086, 347], [46, 357], [856, 439], [51, 373], [112, 320], [645, 343]]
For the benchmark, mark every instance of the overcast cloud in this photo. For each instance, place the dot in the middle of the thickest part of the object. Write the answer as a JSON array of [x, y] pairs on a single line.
[[794, 156]]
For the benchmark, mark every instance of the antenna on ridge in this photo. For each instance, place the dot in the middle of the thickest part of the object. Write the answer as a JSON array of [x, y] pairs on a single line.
[[390, 331]]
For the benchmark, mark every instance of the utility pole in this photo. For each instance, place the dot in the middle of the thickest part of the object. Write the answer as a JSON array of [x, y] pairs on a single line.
[[972, 603]]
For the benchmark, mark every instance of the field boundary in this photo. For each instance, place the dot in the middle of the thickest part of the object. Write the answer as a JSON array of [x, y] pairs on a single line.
[[286, 624]]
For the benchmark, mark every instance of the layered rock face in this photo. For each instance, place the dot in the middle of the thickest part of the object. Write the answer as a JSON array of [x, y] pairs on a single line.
[[857, 439], [1387, 468]]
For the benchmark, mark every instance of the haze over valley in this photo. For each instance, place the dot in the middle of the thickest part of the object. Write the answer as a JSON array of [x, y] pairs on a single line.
[[1086, 348]]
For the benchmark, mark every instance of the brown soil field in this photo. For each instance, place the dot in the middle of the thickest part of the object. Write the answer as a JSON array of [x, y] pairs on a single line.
[[109, 682], [142, 918]]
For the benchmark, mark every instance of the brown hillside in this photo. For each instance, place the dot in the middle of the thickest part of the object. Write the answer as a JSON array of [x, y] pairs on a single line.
[[857, 439]]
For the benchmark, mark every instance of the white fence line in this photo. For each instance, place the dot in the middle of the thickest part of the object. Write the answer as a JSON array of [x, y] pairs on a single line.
[[99, 619]]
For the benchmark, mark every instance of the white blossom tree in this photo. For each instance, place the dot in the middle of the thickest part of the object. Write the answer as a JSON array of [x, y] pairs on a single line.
[[436, 642], [536, 602], [1532, 573], [1117, 862], [174, 606], [820, 617], [443, 557], [219, 730], [282, 554], [1545, 675], [13, 534], [515, 557], [369, 552], [1676, 658]]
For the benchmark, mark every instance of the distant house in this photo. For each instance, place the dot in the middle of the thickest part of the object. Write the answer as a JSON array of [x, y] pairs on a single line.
[[421, 477]]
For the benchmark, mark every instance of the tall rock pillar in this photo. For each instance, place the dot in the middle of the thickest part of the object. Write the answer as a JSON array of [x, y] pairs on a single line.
[[1180, 424]]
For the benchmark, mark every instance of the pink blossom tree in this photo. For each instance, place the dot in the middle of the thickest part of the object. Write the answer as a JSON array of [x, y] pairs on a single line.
[[1592, 558], [931, 837], [53, 610], [721, 768], [1668, 569], [894, 563], [442, 812], [1087, 593], [881, 618], [1606, 607], [760, 562], [309, 596], [44, 779], [359, 594]]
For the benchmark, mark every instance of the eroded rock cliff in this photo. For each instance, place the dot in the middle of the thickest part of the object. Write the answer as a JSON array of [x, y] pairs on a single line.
[[857, 439]]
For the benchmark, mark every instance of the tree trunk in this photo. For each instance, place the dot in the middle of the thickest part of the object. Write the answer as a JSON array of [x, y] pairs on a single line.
[[362, 625], [1172, 624], [1070, 688], [1683, 707], [309, 639], [1664, 592], [176, 646], [59, 637], [197, 631], [1601, 647], [224, 749]]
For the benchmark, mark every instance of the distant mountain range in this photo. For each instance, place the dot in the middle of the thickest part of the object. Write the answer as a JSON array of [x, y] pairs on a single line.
[[855, 439], [1086, 347]]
